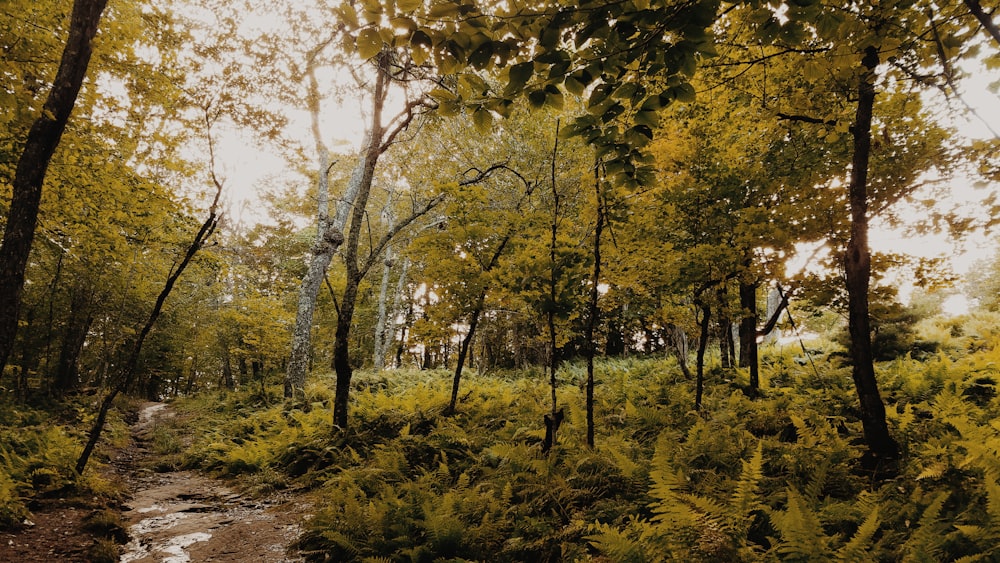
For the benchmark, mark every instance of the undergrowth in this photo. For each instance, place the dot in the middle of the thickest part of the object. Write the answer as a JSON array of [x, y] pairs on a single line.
[[776, 478], [39, 447]]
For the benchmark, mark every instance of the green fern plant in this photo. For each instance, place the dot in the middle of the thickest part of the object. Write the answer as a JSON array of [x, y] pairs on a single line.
[[699, 527]]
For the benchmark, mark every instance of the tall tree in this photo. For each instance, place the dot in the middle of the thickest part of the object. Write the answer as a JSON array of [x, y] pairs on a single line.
[[857, 266], [41, 143], [329, 236]]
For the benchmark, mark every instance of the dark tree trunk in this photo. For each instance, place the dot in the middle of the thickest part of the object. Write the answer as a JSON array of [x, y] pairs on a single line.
[[129, 369], [43, 138], [727, 347], [228, 382], [463, 353], [748, 334], [594, 311], [706, 313], [857, 265], [554, 418], [74, 337], [341, 352], [976, 9]]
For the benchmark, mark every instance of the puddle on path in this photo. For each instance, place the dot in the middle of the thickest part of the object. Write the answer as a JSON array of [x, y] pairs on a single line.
[[182, 516]]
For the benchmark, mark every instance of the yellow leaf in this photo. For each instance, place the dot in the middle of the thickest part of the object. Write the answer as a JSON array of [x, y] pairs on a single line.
[[369, 43], [483, 120], [406, 6]]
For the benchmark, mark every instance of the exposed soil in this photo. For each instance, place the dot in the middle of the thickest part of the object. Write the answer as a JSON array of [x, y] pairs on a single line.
[[183, 516], [172, 517], [54, 533]]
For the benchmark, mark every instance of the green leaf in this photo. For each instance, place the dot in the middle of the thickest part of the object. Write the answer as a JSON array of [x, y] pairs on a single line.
[[598, 96], [684, 92], [406, 25], [408, 5], [553, 97], [369, 43], [483, 120], [639, 136], [442, 95], [348, 14], [518, 76], [574, 86], [536, 98], [648, 118], [444, 9]]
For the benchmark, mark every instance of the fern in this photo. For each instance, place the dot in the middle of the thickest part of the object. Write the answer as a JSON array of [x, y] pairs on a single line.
[[746, 498], [802, 536], [858, 549], [926, 541], [623, 546], [709, 527]]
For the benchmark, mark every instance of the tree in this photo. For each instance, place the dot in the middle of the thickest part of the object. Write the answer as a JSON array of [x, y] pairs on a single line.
[[329, 236], [129, 370], [41, 143]]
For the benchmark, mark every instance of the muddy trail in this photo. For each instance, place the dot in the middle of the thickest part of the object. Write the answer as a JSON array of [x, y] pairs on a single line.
[[182, 516]]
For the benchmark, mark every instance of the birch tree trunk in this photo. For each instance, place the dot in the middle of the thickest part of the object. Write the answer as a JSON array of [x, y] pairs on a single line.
[[381, 330], [329, 238]]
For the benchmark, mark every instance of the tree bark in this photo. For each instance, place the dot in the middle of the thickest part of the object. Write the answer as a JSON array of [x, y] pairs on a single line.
[[74, 336], [857, 265], [329, 237], [706, 313], [726, 345], [364, 172], [748, 334], [382, 321], [977, 11], [463, 353], [554, 418], [594, 311], [43, 138]]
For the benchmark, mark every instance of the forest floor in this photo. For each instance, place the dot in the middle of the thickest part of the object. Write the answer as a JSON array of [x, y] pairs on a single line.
[[175, 516]]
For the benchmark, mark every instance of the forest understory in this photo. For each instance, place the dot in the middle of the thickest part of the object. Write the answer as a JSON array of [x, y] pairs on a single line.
[[778, 477]]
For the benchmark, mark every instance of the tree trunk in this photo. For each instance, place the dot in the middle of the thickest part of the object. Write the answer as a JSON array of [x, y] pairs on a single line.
[[592, 316], [43, 138], [700, 362], [129, 369], [727, 348], [364, 172], [554, 418], [77, 326], [227, 369], [976, 9], [748, 335], [382, 322], [857, 264], [329, 237], [463, 353], [341, 352]]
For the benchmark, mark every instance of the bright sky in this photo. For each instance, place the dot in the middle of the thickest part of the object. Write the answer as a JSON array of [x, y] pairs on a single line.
[[968, 193]]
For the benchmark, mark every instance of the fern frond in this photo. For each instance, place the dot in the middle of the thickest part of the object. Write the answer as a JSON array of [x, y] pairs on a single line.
[[802, 536], [617, 545], [858, 549], [746, 497], [925, 543], [814, 488]]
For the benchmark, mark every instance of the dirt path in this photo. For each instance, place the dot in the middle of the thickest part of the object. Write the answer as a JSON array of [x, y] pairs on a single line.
[[183, 516]]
